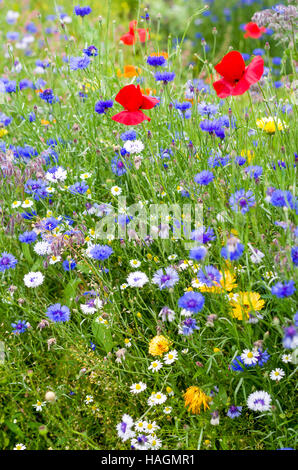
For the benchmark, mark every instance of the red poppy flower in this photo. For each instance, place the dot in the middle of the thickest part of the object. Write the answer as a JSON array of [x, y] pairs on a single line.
[[132, 100], [130, 38], [253, 31], [237, 78]]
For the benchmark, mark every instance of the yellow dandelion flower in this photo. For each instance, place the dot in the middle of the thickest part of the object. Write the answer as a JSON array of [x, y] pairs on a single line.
[[195, 398], [268, 125], [3, 132], [159, 345], [245, 303]]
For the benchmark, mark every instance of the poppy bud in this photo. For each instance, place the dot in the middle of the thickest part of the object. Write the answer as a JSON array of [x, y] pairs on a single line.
[[50, 396]]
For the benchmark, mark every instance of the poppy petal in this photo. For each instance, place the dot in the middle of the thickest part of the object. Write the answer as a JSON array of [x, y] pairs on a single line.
[[128, 39], [130, 97], [130, 118], [143, 34], [223, 88], [254, 71], [149, 102], [232, 66]]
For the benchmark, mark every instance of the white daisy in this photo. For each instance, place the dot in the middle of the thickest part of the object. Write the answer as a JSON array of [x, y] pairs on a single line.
[[259, 401], [54, 259], [88, 399], [85, 176], [116, 191], [167, 410], [172, 257], [123, 286], [154, 443], [140, 426], [277, 374], [127, 342], [158, 398], [137, 279], [155, 366], [138, 387], [27, 203], [249, 357], [135, 263], [38, 405], [170, 357], [33, 279], [16, 204], [19, 447], [151, 427], [286, 358]]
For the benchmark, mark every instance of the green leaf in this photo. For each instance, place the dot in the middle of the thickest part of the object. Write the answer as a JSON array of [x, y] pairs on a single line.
[[26, 252], [70, 289], [103, 336]]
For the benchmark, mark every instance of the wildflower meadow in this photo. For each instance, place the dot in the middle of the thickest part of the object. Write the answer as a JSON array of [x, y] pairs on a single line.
[[149, 234]]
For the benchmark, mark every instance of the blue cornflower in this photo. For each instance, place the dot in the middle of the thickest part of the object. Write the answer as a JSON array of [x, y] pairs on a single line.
[[37, 188], [258, 51], [20, 327], [242, 200], [202, 235], [11, 86], [240, 160], [28, 215], [78, 63], [278, 84], [164, 77], [234, 411], [156, 61], [280, 198], [128, 135], [198, 253], [276, 61], [24, 152], [238, 365], [68, 264], [204, 178], [192, 301], [100, 252], [281, 290], [92, 346], [82, 11], [25, 83], [78, 188], [183, 106], [28, 237], [254, 171], [102, 106], [165, 279], [263, 357], [290, 339], [232, 251], [245, 56], [294, 255], [48, 96], [50, 223], [188, 326], [91, 51], [58, 313], [217, 160], [119, 167], [210, 276], [207, 109], [32, 117], [7, 261]]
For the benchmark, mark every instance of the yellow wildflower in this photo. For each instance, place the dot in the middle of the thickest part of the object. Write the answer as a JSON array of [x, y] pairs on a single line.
[[159, 345], [268, 125], [194, 398], [245, 303]]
